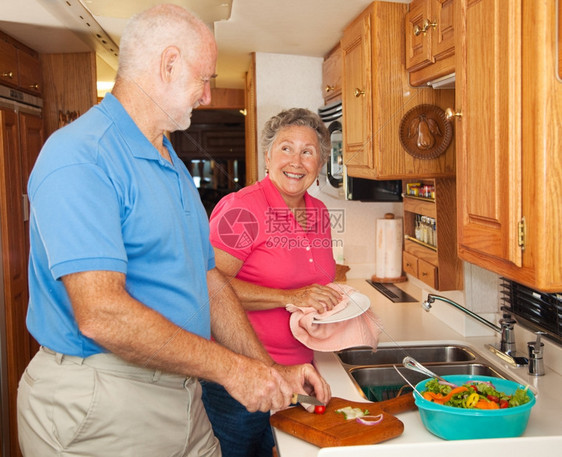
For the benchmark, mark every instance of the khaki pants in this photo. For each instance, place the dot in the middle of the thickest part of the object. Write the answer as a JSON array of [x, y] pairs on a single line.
[[102, 406]]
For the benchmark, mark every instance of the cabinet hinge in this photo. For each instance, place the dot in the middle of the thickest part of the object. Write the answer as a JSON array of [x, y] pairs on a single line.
[[521, 234]]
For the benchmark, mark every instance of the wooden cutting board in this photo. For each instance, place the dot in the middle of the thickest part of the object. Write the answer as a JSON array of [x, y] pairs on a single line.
[[332, 429]]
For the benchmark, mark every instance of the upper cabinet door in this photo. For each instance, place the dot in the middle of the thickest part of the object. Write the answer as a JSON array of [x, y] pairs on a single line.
[[489, 155], [356, 94], [8, 63], [332, 75], [443, 16], [430, 40], [418, 35], [509, 165], [30, 72]]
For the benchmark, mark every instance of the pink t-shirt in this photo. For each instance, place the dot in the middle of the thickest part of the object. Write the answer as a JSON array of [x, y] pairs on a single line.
[[256, 226]]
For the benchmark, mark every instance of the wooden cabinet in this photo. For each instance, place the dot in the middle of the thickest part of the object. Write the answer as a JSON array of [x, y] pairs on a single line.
[[376, 94], [430, 40], [21, 137], [332, 76], [430, 234], [509, 138], [19, 66]]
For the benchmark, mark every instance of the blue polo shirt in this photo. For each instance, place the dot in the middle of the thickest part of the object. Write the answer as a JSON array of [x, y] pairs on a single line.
[[102, 198]]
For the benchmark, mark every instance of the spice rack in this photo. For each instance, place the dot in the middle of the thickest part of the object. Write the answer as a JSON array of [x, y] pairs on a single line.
[[430, 235]]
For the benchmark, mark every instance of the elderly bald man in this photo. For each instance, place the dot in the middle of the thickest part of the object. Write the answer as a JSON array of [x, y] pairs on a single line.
[[124, 293]]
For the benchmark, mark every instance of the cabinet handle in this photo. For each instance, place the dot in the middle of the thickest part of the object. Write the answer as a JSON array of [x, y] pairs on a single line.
[[8, 74], [450, 114], [25, 205], [329, 88], [34, 86], [423, 29], [424, 274], [358, 93]]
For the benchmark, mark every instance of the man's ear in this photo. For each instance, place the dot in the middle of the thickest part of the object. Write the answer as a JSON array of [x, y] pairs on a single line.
[[169, 60]]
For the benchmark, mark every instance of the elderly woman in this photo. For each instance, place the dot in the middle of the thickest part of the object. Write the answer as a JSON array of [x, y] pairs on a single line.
[[274, 241]]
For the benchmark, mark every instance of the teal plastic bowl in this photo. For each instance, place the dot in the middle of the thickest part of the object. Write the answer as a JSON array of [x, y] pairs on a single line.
[[452, 423]]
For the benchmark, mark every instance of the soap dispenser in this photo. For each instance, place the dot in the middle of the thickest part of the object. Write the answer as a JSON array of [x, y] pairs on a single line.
[[536, 348]]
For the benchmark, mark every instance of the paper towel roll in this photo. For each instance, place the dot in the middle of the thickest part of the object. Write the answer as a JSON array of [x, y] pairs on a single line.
[[389, 237]]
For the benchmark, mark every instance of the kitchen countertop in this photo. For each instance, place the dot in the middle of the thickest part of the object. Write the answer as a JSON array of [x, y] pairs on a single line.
[[408, 323]]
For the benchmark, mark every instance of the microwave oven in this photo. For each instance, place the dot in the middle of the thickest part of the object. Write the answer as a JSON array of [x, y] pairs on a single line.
[[336, 181]]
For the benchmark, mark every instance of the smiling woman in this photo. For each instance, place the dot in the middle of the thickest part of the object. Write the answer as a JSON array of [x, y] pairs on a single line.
[[274, 222]]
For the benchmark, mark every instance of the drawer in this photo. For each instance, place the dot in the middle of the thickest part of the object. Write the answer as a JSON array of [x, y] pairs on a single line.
[[428, 273], [410, 263]]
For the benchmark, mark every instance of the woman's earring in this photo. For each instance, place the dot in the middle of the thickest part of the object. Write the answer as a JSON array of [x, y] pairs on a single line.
[[317, 182], [267, 171]]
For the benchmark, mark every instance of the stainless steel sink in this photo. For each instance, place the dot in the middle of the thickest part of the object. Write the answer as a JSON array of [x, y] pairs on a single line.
[[395, 355], [374, 375], [383, 383]]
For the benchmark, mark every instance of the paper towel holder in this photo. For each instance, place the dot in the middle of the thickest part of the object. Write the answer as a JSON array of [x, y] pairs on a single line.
[[401, 278]]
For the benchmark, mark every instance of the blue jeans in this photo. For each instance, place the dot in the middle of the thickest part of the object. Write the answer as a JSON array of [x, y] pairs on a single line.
[[241, 433]]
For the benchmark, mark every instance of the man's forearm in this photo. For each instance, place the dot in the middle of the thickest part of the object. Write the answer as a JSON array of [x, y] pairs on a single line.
[[106, 313]]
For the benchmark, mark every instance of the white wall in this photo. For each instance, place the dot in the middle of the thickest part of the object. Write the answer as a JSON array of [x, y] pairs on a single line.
[[285, 81]]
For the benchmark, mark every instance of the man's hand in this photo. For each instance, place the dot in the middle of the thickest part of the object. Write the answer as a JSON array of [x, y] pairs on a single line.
[[257, 386], [269, 388], [305, 379]]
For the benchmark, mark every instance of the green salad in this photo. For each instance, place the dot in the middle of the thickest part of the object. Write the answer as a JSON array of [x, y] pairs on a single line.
[[473, 395]]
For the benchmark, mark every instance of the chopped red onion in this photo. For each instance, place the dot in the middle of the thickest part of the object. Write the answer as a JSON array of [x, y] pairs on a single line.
[[370, 420]]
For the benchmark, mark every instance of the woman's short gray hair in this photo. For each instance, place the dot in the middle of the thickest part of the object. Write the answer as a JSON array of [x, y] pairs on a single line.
[[301, 117]]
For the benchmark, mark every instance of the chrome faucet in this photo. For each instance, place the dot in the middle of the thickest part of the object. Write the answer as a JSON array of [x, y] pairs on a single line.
[[506, 351], [536, 348]]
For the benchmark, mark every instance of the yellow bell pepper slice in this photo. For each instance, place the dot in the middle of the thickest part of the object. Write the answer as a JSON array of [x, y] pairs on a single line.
[[472, 399]]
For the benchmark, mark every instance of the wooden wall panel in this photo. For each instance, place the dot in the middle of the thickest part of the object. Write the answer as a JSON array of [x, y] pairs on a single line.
[[69, 87]]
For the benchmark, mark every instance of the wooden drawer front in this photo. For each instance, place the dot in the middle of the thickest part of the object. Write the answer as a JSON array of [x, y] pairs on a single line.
[[410, 263], [428, 273]]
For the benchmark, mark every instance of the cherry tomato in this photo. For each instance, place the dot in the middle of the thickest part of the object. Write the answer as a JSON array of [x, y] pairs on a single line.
[[493, 398], [319, 409], [504, 404]]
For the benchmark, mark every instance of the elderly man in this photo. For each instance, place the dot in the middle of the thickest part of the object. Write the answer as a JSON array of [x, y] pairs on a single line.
[[124, 294]]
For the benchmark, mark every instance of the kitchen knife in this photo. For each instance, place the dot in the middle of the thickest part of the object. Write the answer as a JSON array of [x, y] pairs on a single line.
[[299, 398]]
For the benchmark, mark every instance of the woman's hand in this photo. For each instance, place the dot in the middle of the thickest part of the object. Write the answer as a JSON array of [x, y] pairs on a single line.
[[321, 298]]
